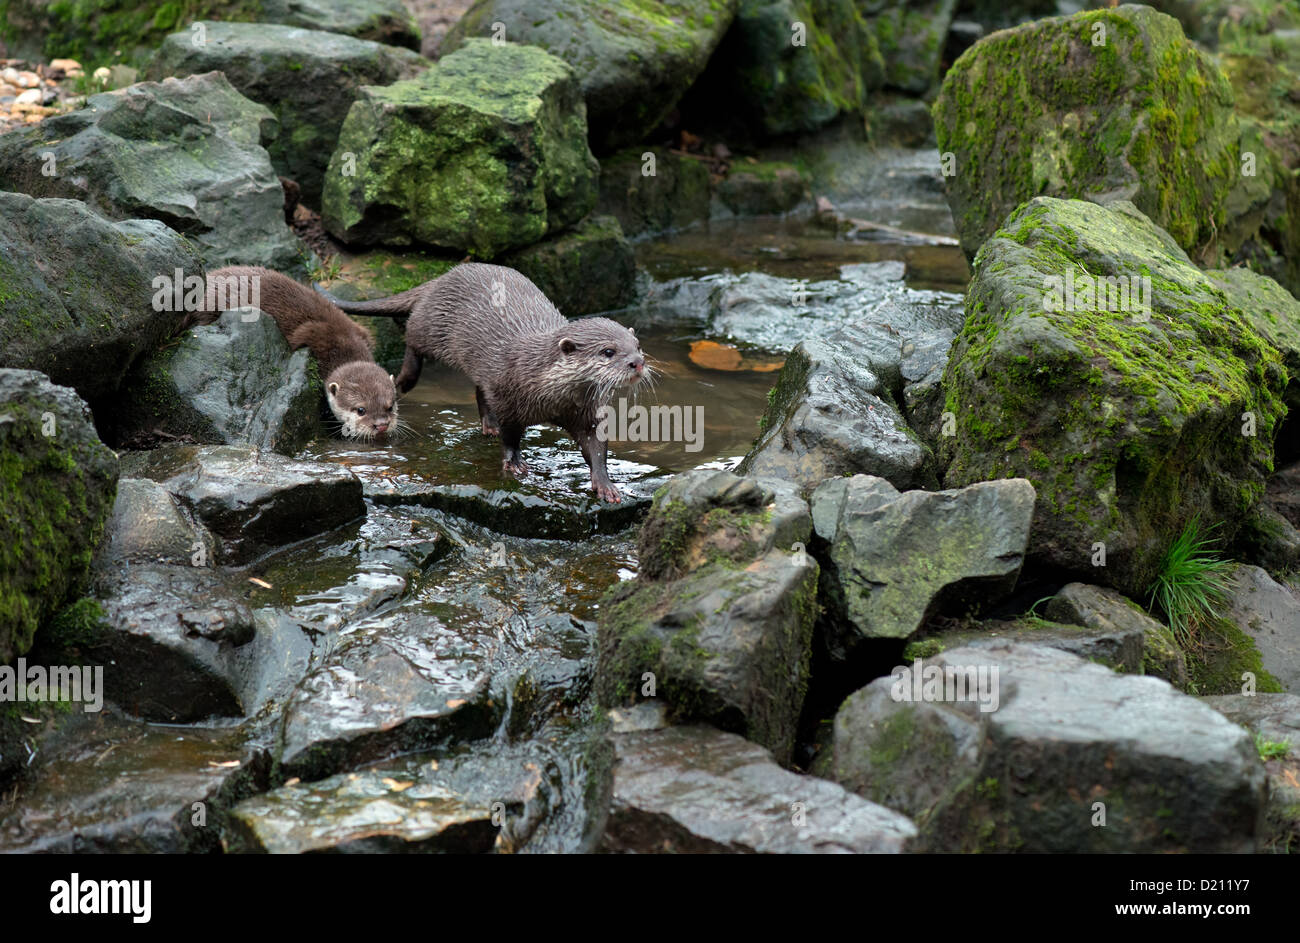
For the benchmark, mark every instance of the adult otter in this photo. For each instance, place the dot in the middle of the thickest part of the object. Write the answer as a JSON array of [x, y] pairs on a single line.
[[361, 394], [529, 363]]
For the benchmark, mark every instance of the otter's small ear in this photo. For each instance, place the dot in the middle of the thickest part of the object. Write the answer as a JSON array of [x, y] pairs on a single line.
[[391, 380], [334, 389], [631, 330], [567, 345]]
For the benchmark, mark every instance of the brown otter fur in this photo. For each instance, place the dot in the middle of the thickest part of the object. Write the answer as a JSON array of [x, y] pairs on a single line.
[[530, 364], [361, 394]]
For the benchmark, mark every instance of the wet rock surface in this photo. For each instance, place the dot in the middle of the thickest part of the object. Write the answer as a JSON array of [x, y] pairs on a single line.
[[234, 382], [125, 787], [250, 500], [670, 785]]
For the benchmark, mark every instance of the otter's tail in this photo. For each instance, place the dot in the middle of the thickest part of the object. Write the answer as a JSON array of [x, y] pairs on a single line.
[[392, 306]]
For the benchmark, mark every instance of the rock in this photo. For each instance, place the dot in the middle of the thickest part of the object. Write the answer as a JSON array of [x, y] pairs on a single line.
[[1269, 613], [136, 153], [696, 790], [584, 270], [903, 123], [910, 35], [522, 510], [36, 29], [652, 190], [253, 501], [829, 415], [234, 382], [634, 60], [721, 613], [171, 634], [308, 79], [381, 21], [870, 299], [1064, 736], [1127, 415], [497, 136], [1020, 112], [894, 560], [59, 481], [1260, 54], [475, 802], [1274, 719], [769, 188], [149, 526], [56, 257], [399, 683], [122, 787], [1268, 539], [1118, 648], [777, 85], [999, 14], [1097, 607], [1274, 313], [1283, 493]]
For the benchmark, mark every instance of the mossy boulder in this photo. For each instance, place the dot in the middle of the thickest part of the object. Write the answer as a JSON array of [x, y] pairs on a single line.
[[787, 66], [58, 482], [1105, 610], [583, 270], [307, 78], [634, 58], [763, 188], [652, 190], [185, 151], [1264, 69], [76, 290], [910, 35], [1018, 761], [892, 560], [1138, 400], [484, 152], [1106, 104], [719, 621], [96, 32], [234, 382]]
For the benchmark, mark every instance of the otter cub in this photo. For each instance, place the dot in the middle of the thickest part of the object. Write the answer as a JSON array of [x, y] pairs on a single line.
[[530, 364], [361, 394]]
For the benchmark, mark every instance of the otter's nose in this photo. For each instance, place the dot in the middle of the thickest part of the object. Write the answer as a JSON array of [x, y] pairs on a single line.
[[638, 365]]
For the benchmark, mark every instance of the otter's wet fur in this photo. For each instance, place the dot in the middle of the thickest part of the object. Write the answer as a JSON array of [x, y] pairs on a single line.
[[361, 394], [529, 363]]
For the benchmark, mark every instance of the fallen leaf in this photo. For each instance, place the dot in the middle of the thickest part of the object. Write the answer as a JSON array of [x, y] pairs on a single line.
[[456, 702], [262, 583], [394, 785], [228, 764]]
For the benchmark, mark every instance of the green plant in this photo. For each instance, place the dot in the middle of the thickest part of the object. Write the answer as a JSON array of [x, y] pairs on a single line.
[[1271, 749], [1191, 582]]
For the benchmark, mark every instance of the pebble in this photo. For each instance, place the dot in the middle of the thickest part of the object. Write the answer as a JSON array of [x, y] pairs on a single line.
[[30, 97], [70, 66]]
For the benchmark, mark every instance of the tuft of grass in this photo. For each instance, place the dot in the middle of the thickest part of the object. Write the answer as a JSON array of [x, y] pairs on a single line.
[[1271, 749], [1191, 584]]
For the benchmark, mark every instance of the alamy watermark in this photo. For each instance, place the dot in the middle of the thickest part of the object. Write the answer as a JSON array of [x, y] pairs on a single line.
[[947, 683], [181, 292], [634, 423], [73, 683]]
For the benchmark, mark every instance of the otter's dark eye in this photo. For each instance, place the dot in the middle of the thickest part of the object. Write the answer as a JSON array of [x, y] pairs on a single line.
[[361, 410], [609, 351]]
